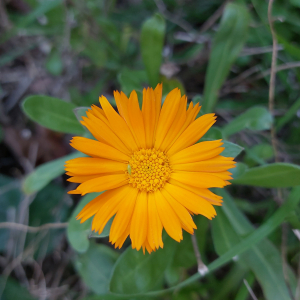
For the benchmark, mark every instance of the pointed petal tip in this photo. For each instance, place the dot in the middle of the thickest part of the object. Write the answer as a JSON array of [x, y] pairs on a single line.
[[73, 192]]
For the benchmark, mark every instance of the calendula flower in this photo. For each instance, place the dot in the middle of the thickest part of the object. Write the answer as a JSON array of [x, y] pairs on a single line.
[[154, 173]]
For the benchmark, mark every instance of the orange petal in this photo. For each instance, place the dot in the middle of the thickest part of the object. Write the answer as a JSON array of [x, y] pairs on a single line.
[[82, 178], [147, 246], [191, 201], [182, 214], [102, 183], [168, 217], [101, 131], [176, 127], [167, 116], [98, 112], [95, 205], [158, 98], [98, 149], [191, 114], [138, 227], [120, 241], [91, 165], [198, 179], [197, 152], [213, 165], [149, 115], [123, 216], [204, 193], [154, 224], [122, 104], [118, 125], [136, 119], [193, 133], [109, 209]]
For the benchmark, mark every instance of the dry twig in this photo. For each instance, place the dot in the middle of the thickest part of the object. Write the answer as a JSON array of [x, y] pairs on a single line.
[[250, 290], [202, 268], [213, 18], [173, 18], [31, 229], [284, 227], [273, 77]]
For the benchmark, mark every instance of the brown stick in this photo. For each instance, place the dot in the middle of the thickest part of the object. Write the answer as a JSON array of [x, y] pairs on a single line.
[[284, 227], [213, 18], [202, 268], [18, 226]]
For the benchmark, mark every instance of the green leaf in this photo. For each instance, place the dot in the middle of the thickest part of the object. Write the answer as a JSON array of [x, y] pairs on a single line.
[[152, 41], [95, 267], [255, 118], [54, 63], [226, 47], [231, 149], [239, 170], [136, 272], [295, 3], [52, 113], [13, 290], [265, 261], [224, 236], [263, 258], [45, 173], [276, 175]]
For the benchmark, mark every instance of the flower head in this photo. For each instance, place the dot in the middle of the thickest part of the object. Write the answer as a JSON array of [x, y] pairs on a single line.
[[154, 173]]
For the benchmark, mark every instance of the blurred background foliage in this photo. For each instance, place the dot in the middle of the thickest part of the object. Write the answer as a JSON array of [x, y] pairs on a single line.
[[58, 56]]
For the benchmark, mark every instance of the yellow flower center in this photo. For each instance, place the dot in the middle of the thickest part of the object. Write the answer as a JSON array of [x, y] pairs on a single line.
[[148, 170]]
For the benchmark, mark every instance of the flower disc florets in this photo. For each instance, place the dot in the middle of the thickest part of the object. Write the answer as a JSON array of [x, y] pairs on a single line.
[[148, 170]]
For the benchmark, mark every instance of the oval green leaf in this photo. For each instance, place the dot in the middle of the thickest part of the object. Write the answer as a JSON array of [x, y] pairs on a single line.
[[152, 41], [255, 118], [52, 113], [231, 149], [43, 174], [95, 267], [276, 175], [225, 49]]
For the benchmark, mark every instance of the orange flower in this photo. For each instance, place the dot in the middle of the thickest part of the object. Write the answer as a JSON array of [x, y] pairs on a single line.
[[148, 161]]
